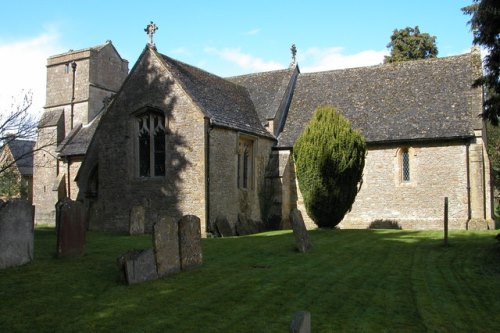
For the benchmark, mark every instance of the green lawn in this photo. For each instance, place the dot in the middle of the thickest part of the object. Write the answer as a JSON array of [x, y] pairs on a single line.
[[351, 281]]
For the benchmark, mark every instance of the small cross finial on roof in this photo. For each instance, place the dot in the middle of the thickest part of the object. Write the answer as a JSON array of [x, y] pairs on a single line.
[[150, 30], [293, 49]]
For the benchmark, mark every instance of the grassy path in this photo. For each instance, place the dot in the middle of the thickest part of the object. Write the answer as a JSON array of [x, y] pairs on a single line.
[[351, 281]]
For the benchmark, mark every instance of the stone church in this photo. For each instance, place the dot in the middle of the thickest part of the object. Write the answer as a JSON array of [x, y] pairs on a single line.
[[173, 139]]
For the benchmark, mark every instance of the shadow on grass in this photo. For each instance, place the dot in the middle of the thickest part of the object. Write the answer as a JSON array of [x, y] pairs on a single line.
[[351, 280]]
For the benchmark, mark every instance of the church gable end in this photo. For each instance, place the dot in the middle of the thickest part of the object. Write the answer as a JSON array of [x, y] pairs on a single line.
[[150, 149]]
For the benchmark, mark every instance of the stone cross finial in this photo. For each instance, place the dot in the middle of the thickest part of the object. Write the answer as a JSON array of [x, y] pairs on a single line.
[[293, 49], [150, 30]]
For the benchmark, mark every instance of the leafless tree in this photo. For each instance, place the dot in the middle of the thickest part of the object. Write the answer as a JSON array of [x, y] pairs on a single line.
[[17, 124]]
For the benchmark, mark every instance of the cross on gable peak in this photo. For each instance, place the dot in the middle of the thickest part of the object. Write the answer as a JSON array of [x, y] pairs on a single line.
[[151, 30]]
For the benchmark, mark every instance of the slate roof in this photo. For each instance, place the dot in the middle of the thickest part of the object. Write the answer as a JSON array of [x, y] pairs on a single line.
[[225, 103], [50, 118], [78, 139], [266, 90], [414, 100], [22, 152]]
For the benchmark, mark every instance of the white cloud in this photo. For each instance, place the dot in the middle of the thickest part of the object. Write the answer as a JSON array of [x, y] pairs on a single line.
[[245, 61], [22, 64], [316, 59], [253, 32]]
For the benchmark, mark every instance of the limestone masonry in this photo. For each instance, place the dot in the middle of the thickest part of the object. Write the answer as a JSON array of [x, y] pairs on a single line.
[[169, 139]]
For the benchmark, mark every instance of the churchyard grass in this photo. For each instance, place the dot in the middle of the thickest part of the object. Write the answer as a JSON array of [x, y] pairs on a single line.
[[351, 280]]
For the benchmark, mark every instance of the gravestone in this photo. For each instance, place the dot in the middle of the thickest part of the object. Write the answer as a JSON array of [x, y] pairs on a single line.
[[246, 226], [137, 220], [299, 231], [16, 233], [223, 227], [138, 266], [166, 246], [71, 228], [190, 242], [301, 322]]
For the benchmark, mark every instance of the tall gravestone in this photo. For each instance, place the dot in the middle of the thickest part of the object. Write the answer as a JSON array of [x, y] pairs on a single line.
[[71, 228], [299, 231], [16, 233], [166, 246], [137, 220], [190, 242]]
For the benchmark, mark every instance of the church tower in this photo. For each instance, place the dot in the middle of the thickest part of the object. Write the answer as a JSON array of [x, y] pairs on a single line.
[[79, 84]]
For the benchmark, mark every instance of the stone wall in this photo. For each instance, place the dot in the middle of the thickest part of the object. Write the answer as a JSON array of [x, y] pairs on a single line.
[[99, 73], [436, 171], [45, 173], [226, 199], [181, 191]]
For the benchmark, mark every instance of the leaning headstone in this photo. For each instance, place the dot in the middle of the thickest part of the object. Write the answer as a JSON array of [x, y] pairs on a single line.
[[301, 322], [139, 266], [71, 228], [166, 246], [16, 233], [300, 231], [223, 227], [190, 242], [136, 220], [246, 226]]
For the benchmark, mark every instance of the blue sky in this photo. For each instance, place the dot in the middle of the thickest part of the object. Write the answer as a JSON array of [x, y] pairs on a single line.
[[224, 37]]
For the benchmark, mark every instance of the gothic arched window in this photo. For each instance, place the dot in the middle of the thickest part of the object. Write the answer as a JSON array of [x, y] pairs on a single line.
[[151, 144]]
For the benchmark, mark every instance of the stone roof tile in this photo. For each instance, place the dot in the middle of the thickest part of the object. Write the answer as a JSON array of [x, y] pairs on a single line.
[[414, 100], [225, 103]]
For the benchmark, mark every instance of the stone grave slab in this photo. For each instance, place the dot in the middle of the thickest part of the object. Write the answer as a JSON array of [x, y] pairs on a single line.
[[71, 228], [166, 246], [301, 322], [299, 231], [16, 233], [223, 227], [190, 242], [140, 266], [137, 220]]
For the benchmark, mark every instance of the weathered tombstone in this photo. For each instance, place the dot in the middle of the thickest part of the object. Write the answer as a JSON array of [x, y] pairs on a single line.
[[139, 266], [301, 322], [16, 233], [223, 227], [300, 231], [70, 226], [136, 220], [190, 242], [246, 226], [166, 246]]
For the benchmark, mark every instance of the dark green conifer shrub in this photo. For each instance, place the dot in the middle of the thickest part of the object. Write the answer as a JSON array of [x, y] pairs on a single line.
[[329, 159]]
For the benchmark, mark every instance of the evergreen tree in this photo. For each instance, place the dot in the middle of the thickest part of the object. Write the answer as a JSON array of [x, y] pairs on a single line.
[[485, 23], [329, 159], [409, 44]]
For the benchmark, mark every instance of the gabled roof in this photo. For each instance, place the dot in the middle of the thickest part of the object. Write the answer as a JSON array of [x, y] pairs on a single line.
[[50, 118], [266, 89], [413, 100], [78, 139], [22, 152], [225, 103]]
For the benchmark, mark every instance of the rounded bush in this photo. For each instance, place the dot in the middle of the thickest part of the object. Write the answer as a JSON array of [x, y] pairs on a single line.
[[329, 159]]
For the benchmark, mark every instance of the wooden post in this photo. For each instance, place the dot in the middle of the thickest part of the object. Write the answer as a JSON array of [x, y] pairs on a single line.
[[446, 221]]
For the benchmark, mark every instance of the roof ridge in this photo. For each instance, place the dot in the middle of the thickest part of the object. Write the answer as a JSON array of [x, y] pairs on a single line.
[[395, 64]]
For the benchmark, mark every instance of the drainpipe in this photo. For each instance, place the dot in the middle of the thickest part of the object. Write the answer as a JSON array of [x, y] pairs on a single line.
[[207, 173], [68, 162], [467, 163], [73, 66]]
